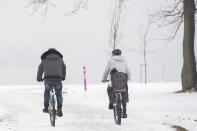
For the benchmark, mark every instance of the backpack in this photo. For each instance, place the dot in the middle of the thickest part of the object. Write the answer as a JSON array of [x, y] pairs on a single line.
[[119, 85], [119, 81]]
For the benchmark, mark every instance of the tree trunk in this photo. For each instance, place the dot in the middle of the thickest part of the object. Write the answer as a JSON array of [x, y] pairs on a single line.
[[188, 74], [145, 63]]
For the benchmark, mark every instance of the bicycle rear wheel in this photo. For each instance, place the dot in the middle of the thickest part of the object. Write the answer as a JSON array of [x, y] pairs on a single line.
[[53, 111], [117, 110]]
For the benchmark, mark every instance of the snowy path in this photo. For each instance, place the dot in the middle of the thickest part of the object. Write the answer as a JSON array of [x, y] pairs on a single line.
[[21, 110]]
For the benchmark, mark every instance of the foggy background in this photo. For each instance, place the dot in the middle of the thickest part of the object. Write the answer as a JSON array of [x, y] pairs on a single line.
[[83, 39]]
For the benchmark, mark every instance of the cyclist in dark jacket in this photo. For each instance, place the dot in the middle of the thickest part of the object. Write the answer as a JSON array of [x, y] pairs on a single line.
[[52, 70]]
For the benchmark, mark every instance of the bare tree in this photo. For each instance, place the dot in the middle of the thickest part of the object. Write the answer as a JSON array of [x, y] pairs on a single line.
[[144, 39], [117, 13], [141, 40], [36, 5], [162, 74], [174, 15]]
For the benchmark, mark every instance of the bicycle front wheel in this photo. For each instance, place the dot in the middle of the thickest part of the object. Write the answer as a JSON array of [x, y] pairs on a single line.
[[53, 111]]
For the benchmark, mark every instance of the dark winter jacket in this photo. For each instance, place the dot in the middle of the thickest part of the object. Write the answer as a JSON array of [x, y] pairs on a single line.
[[52, 66]]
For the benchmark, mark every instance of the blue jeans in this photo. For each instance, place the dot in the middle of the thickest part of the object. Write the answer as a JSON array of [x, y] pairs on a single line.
[[49, 84]]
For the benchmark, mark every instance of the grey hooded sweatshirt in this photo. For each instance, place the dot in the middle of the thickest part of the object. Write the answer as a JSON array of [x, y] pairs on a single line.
[[51, 66], [118, 63]]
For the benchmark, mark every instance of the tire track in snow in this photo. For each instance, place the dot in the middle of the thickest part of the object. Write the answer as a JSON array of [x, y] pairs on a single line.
[[87, 124]]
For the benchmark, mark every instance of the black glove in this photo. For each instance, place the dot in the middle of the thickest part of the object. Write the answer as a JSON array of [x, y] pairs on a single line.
[[105, 80], [40, 80]]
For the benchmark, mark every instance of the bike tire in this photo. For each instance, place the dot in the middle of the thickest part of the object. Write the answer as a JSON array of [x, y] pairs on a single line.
[[53, 112], [119, 110], [115, 114]]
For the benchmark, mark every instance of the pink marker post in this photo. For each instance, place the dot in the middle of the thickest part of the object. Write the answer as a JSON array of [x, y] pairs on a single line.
[[84, 73]]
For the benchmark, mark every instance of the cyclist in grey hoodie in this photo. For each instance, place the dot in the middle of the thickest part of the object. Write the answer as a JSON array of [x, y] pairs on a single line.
[[54, 71], [116, 64]]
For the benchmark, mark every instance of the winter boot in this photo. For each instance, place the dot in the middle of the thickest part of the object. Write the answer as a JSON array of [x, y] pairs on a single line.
[[59, 110], [45, 110], [110, 105], [124, 115]]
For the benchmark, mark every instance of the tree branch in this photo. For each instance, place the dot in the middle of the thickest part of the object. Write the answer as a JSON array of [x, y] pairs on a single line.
[[170, 16], [79, 4], [116, 23]]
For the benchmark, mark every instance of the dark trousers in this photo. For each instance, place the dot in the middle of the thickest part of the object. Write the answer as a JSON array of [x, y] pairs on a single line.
[[124, 97], [49, 84]]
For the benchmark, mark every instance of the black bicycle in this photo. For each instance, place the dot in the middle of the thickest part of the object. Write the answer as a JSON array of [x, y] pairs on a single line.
[[52, 110], [118, 84]]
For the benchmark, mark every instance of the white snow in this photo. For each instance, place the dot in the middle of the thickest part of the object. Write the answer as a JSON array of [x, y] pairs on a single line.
[[152, 107]]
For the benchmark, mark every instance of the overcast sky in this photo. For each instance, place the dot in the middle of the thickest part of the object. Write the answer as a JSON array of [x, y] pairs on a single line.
[[83, 40]]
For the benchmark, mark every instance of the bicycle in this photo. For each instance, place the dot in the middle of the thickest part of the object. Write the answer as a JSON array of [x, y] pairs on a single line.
[[52, 110], [119, 83]]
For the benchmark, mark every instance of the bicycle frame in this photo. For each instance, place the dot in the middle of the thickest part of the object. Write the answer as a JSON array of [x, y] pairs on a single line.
[[116, 96]]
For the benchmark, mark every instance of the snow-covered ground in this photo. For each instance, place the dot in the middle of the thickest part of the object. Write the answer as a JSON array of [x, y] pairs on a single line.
[[152, 107]]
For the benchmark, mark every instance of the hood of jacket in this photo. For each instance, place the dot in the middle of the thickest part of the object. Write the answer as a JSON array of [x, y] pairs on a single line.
[[117, 58], [49, 52], [52, 57]]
